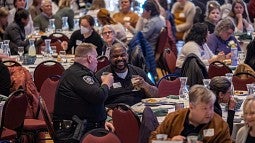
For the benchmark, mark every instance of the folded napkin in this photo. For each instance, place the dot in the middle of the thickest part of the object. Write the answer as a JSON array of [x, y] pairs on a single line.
[[160, 112]]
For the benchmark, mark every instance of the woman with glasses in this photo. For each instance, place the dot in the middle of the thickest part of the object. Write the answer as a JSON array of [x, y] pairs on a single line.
[[246, 134], [86, 34], [109, 37]]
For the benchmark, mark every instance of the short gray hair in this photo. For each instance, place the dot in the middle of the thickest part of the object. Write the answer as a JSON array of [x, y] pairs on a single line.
[[83, 49], [200, 94], [109, 27], [224, 25]]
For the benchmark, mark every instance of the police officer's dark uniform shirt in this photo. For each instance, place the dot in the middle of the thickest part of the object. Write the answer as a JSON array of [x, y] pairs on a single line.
[[80, 93], [121, 91]]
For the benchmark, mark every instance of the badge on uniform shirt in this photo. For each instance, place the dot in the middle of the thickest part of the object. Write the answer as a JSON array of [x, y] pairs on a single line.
[[78, 42], [88, 79], [208, 132]]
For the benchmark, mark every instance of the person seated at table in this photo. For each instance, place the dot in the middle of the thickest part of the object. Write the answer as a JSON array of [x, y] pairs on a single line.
[[250, 56], [126, 15], [221, 87], [219, 41], [18, 4], [65, 11], [95, 7], [105, 18], [80, 97], [195, 42], [246, 134], [213, 15], [240, 16], [184, 12], [198, 119], [150, 29], [35, 8], [3, 21], [15, 32], [42, 20], [86, 34], [122, 90], [109, 36], [5, 80]]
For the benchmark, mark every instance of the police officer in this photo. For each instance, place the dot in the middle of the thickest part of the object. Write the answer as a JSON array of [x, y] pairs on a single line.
[[79, 102]]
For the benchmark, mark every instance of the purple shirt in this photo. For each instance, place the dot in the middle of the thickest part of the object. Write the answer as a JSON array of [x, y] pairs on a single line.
[[216, 44]]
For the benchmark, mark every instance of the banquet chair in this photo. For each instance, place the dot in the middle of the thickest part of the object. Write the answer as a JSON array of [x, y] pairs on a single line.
[[56, 40], [10, 63], [167, 62], [47, 119], [167, 86], [126, 123], [218, 68], [48, 91], [13, 115], [102, 62], [46, 69], [100, 135], [240, 84], [149, 124], [242, 69]]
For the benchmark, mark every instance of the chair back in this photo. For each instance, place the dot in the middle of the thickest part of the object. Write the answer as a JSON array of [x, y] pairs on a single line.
[[166, 86], [240, 83], [126, 123], [14, 111], [242, 70], [218, 68], [48, 91], [10, 63], [47, 118], [46, 69], [100, 135], [56, 40], [102, 62], [149, 124]]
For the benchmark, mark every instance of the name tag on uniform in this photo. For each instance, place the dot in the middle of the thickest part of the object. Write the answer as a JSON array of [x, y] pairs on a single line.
[[78, 42], [182, 15], [116, 85], [208, 132]]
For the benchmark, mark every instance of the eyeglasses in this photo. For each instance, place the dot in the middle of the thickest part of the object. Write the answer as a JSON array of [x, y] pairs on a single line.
[[107, 33]]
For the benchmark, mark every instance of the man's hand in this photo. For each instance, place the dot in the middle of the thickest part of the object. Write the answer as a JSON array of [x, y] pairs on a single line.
[[178, 138], [107, 79]]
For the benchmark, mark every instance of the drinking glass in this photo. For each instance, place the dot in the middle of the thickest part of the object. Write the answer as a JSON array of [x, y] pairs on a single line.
[[134, 80], [192, 138], [250, 88], [62, 55], [36, 31], [241, 57], [1, 48], [206, 82], [54, 51], [20, 52], [183, 92]]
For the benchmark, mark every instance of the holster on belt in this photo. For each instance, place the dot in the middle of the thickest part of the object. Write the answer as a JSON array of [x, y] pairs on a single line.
[[80, 128]]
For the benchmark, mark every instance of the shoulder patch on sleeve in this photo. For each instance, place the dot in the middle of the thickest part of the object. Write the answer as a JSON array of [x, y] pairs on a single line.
[[88, 79]]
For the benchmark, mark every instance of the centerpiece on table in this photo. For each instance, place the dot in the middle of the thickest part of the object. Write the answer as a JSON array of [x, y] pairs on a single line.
[[233, 46]]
